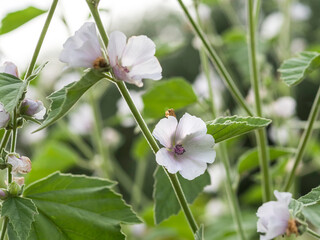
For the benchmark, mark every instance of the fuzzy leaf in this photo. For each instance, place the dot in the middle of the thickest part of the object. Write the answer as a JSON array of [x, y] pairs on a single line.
[[166, 203], [14, 20], [294, 70], [174, 93], [64, 99], [76, 207], [11, 91], [250, 159], [311, 198], [21, 213], [224, 128]]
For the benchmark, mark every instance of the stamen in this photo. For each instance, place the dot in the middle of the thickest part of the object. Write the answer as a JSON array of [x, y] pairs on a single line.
[[99, 63], [292, 227], [170, 112], [179, 150]]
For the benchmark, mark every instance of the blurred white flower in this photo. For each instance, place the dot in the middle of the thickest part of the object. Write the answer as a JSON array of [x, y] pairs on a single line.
[[279, 134], [200, 86], [274, 216], [187, 147], [66, 79], [27, 135], [20, 165], [4, 117], [138, 230], [81, 120], [250, 96], [134, 60], [217, 175], [298, 45], [110, 136], [284, 107], [300, 12], [215, 208], [10, 68], [83, 49], [272, 25], [124, 111], [33, 108]]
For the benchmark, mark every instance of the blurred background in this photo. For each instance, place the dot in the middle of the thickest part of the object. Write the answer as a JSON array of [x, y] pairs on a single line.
[[99, 136]]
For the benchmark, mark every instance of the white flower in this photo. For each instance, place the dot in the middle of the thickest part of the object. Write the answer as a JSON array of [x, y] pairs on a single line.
[[83, 49], [284, 107], [33, 108], [217, 175], [20, 165], [272, 25], [187, 147], [81, 120], [300, 12], [4, 117], [28, 135], [10, 68], [134, 60], [274, 216]]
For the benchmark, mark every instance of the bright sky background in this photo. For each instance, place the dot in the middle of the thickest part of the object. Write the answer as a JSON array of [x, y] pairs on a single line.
[[18, 45]]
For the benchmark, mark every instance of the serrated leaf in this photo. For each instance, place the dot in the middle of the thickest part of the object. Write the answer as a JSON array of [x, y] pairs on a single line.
[[14, 20], [311, 198], [199, 235], [224, 128], [250, 159], [21, 213], [166, 203], [174, 93], [11, 91], [294, 70], [76, 207], [296, 207], [64, 99]]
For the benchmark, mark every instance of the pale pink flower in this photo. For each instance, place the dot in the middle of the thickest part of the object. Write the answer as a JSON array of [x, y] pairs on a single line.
[[19, 164], [10, 68], [187, 147], [33, 108], [4, 117], [274, 216], [83, 49], [134, 60]]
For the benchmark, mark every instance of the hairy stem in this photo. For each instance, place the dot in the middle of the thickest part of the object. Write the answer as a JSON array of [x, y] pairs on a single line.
[[312, 233], [261, 133], [304, 140], [4, 228], [5, 140]]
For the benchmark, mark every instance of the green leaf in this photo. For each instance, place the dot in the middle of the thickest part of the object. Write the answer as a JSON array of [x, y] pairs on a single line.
[[199, 234], [51, 157], [166, 203], [250, 159], [64, 99], [36, 72], [76, 207], [224, 128], [311, 198], [11, 91], [174, 93], [296, 207], [312, 213], [21, 213], [15, 19], [294, 70]]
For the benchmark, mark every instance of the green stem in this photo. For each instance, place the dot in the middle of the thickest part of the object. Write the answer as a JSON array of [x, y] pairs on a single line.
[[4, 228], [304, 140], [312, 233], [257, 6], [138, 182], [155, 148], [41, 38], [261, 134], [217, 62], [222, 150], [5, 140]]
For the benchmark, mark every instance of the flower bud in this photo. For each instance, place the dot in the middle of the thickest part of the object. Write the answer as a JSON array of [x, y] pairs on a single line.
[[14, 189], [4, 117], [31, 107], [10, 68], [19, 180], [20, 165], [3, 194]]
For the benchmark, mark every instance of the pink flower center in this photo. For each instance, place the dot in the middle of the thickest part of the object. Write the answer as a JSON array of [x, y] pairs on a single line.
[[178, 149]]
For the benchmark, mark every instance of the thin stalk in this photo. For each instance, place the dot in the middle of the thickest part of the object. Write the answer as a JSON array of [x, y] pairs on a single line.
[[260, 134], [312, 233], [41, 38], [155, 148], [13, 141], [5, 140], [138, 182], [257, 6], [217, 62], [4, 228], [304, 140]]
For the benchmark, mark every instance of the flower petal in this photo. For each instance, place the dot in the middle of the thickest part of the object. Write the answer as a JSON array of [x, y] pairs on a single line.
[[284, 197], [150, 69], [165, 130], [116, 46], [190, 125], [168, 160], [10, 68], [191, 168], [138, 50]]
